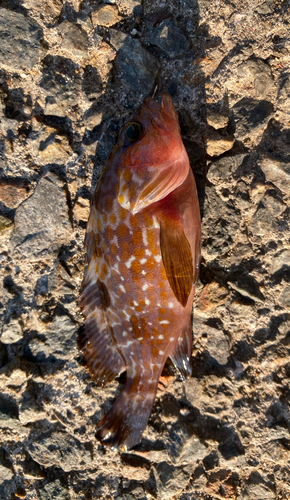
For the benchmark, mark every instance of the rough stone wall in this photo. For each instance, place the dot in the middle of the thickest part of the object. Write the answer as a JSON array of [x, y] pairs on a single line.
[[71, 73]]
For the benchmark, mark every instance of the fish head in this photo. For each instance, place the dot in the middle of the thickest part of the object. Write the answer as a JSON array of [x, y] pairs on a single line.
[[150, 155]]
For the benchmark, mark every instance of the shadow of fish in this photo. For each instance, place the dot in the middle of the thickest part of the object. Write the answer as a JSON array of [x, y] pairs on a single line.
[[142, 250]]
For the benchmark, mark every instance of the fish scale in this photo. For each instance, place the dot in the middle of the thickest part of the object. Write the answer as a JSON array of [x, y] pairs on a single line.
[[142, 251]]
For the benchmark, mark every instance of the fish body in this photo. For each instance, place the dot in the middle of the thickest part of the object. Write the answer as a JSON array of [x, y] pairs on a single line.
[[142, 250]]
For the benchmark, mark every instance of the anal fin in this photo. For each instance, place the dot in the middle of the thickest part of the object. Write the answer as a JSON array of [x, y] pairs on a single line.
[[181, 357]]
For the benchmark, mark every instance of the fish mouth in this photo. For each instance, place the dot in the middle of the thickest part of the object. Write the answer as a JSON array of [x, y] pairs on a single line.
[[159, 111]]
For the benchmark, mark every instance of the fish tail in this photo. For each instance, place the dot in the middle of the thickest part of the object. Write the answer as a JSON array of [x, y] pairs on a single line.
[[122, 427]]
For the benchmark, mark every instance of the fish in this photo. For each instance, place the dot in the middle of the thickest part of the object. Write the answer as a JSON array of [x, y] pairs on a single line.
[[142, 256]]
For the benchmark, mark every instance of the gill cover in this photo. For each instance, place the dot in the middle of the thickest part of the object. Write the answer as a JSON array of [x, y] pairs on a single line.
[[151, 181]]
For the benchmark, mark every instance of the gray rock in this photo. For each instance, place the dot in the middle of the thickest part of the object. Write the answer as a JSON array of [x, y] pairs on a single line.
[[5, 474], [74, 38], [284, 297], [41, 223], [130, 6], [187, 448], [242, 195], [284, 91], [92, 82], [50, 9], [170, 480], [243, 351], [61, 84], [136, 68], [284, 327], [220, 224], [169, 38], [265, 7], [224, 167], [59, 342], [29, 408], [53, 491], [11, 332], [105, 15], [49, 146], [250, 116], [61, 450], [61, 337], [264, 220], [277, 172], [41, 287], [281, 259], [240, 251], [20, 39], [260, 74], [248, 287], [256, 488], [218, 345]]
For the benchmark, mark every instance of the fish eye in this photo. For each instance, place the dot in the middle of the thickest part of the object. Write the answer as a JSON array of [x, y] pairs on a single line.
[[132, 133]]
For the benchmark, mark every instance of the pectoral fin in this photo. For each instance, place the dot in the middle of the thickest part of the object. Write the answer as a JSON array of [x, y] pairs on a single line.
[[177, 259], [140, 188]]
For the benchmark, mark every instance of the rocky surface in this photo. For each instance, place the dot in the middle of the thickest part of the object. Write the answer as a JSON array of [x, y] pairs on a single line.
[[71, 73]]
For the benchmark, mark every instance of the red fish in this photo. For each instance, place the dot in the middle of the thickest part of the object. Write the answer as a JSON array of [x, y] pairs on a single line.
[[142, 251]]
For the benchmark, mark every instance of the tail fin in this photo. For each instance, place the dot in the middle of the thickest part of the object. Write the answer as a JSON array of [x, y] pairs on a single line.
[[123, 426]]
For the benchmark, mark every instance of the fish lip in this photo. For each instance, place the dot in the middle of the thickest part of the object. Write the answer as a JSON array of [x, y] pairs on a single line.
[[154, 114]]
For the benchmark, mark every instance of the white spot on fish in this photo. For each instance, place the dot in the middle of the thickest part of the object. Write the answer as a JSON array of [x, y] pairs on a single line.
[[126, 314], [161, 337], [155, 222], [122, 288], [144, 236], [129, 261], [144, 287], [147, 302], [164, 322], [161, 352]]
